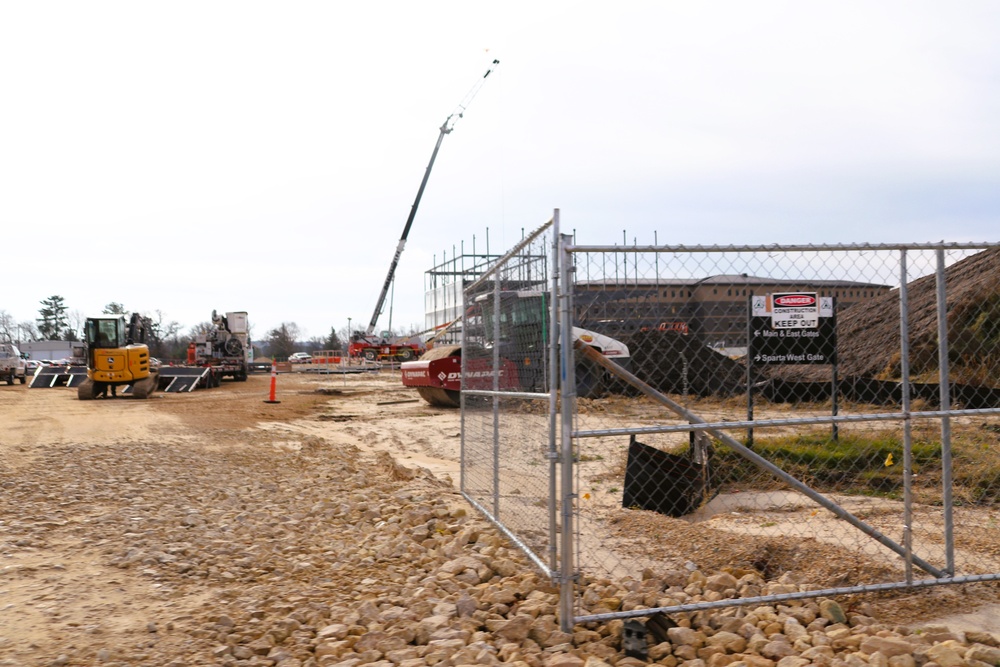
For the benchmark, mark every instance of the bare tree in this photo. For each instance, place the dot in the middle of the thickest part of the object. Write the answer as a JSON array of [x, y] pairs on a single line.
[[8, 327], [160, 332], [201, 329], [27, 331], [77, 319]]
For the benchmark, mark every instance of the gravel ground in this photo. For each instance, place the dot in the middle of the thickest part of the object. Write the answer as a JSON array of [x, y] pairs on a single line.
[[212, 529]]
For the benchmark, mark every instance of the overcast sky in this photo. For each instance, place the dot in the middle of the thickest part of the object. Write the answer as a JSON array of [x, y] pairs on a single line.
[[191, 156]]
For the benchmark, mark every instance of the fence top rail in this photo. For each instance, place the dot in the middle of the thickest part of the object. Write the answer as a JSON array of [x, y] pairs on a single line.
[[499, 263], [838, 247]]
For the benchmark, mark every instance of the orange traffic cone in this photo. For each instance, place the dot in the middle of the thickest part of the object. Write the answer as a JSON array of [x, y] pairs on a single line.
[[274, 382]]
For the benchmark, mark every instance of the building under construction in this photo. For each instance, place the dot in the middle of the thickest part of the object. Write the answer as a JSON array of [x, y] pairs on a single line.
[[712, 308], [445, 283]]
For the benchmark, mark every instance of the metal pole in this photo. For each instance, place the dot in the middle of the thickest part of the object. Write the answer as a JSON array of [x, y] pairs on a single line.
[[656, 274], [496, 397], [835, 381], [835, 407], [944, 372], [553, 388], [567, 573], [463, 463], [749, 368], [904, 373]]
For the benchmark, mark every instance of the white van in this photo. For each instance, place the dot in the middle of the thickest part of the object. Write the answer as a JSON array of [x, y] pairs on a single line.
[[11, 364]]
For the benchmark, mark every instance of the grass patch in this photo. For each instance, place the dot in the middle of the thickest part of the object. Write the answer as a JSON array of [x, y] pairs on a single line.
[[869, 465]]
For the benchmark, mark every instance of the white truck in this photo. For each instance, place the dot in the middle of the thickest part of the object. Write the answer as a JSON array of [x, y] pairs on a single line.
[[12, 364], [225, 347]]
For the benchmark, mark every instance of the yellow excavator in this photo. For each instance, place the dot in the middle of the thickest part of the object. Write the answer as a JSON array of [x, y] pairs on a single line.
[[117, 356]]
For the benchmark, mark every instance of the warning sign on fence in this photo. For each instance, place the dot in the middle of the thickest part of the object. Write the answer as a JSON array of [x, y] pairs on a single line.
[[794, 310], [792, 328]]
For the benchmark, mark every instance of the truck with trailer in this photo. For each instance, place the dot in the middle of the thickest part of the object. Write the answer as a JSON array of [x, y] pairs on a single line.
[[225, 348], [386, 347]]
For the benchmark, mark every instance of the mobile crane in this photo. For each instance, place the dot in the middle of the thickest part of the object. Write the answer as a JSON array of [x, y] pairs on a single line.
[[366, 344]]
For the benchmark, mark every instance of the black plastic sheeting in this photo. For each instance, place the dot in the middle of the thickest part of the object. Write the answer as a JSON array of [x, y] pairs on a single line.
[[877, 392], [671, 484]]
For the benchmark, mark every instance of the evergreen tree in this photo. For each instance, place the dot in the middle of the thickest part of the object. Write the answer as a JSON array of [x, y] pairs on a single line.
[[332, 341], [52, 322], [114, 308]]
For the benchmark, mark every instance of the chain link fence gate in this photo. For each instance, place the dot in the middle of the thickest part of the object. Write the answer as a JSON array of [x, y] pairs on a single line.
[[827, 410], [508, 398]]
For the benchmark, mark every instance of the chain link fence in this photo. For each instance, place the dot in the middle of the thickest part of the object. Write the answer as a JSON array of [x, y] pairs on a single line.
[[830, 411], [827, 411], [508, 461]]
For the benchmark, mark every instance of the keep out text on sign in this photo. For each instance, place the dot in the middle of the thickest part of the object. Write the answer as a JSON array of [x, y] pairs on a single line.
[[794, 310]]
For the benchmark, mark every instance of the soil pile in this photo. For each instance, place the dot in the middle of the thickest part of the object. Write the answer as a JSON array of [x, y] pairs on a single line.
[[869, 340], [682, 364], [869, 333]]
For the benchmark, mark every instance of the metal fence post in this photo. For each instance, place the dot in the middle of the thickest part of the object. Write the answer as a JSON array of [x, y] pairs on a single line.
[[749, 375], [553, 388], [496, 397], [568, 377], [904, 387], [945, 397]]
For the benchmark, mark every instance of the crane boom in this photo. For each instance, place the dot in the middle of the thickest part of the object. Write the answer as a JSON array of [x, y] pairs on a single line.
[[446, 128]]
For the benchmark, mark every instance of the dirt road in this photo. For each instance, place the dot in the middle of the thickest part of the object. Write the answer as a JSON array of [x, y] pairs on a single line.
[[215, 528], [92, 493]]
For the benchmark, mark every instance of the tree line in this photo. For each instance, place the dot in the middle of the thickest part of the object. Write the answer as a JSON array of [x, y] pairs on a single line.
[[167, 339]]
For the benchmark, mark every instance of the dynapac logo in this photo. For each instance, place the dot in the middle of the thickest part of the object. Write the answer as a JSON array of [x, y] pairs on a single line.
[[795, 300]]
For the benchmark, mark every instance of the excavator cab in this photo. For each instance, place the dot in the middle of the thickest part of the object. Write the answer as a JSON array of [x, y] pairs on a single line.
[[117, 355]]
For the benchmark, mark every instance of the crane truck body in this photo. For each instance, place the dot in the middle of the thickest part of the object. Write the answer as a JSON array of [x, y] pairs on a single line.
[[225, 347]]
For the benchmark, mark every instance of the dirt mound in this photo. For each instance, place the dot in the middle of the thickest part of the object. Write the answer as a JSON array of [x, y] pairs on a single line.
[[676, 363], [868, 333]]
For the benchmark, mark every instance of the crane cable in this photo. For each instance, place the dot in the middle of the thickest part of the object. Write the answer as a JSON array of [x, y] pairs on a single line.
[[449, 122]]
